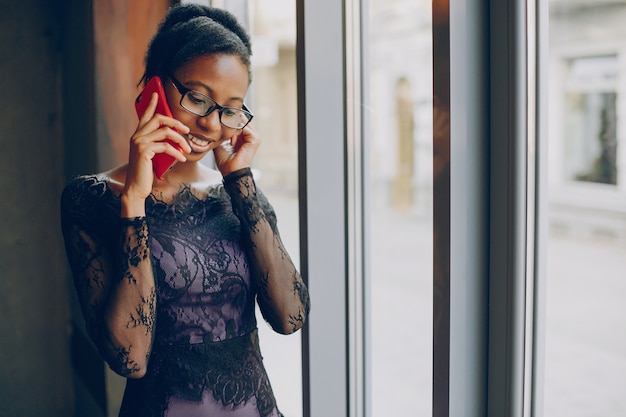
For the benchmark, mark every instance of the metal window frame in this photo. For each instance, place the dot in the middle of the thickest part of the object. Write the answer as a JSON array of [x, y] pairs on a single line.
[[331, 206], [518, 232], [494, 295], [492, 342]]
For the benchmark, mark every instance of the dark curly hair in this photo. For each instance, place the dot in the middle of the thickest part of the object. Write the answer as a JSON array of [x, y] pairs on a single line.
[[189, 31]]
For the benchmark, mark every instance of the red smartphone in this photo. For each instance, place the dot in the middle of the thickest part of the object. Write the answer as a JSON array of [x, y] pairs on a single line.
[[161, 162]]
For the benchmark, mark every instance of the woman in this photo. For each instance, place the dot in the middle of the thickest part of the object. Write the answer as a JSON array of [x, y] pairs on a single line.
[[167, 271]]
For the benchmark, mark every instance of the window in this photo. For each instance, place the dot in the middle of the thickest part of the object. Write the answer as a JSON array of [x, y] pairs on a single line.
[[591, 120], [273, 98], [399, 113], [585, 353]]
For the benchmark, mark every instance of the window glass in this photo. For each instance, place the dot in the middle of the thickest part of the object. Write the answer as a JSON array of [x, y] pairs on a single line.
[[585, 362], [273, 100], [591, 119], [400, 187]]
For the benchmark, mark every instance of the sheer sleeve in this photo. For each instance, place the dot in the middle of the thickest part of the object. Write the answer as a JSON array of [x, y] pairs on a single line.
[[282, 296], [110, 263]]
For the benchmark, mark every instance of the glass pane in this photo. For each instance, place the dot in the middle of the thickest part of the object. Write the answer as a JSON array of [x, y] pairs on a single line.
[[586, 316], [273, 100], [400, 145], [591, 119], [590, 111]]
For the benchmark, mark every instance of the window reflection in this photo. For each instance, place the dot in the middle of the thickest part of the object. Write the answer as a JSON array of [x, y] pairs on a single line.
[[585, 363], [400, 143], [272, 95], [591, 119]]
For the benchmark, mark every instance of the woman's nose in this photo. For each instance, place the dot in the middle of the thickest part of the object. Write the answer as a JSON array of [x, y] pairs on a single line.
[[210, 122]]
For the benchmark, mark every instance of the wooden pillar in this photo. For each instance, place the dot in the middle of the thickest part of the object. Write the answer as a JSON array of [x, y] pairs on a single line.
[[403, 181]]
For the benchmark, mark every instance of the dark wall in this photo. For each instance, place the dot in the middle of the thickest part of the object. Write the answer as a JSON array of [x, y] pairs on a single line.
[[67, 67], [35, 371]]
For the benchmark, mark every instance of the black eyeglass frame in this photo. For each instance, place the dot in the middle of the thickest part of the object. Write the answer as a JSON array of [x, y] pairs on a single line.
[[184, 90]]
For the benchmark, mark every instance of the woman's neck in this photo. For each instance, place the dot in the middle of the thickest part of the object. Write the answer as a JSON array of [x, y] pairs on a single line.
[[194, 174]]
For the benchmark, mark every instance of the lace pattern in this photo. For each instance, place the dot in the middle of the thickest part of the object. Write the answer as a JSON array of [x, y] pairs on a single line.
[[260, 235], [231, 370], [208, 267], [134, 246], [240, 185]]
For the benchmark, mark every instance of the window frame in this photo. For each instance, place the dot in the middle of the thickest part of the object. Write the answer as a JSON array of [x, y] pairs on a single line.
[[497, 208], [320, 57], [496, 203]]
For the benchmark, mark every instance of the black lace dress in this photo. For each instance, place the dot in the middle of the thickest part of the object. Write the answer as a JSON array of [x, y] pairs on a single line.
[[203, 251]]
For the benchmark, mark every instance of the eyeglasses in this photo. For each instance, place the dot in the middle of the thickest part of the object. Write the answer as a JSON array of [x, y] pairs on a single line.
[[202, 105]]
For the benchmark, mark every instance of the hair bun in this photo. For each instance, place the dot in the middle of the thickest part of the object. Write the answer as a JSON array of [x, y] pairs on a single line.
[[185, 13], [192, 30]]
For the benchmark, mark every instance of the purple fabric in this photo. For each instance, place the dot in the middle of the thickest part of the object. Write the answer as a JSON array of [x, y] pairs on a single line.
[[205, 359]]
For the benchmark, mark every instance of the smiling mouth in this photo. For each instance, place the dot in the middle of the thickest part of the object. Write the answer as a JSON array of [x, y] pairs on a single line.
[[197, 141]]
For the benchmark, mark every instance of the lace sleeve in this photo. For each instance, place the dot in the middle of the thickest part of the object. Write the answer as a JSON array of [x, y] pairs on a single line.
[[282, 295], [113, 279]]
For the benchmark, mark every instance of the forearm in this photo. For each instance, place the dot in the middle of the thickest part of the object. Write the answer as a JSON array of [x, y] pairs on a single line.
[[282, 295], [281, 289], [131, 309], [110, 262]]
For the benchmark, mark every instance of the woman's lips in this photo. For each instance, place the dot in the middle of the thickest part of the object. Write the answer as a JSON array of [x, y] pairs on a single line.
[[198, 143]]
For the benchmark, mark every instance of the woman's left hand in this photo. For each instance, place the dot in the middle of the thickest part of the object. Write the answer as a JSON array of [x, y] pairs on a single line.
[[238, 152]]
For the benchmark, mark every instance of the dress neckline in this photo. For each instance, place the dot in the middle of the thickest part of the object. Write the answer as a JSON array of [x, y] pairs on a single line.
[[184, 197]]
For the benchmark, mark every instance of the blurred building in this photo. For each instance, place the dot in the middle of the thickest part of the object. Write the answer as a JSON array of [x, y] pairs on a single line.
[[587, 83], [273, 94], [587, 93]]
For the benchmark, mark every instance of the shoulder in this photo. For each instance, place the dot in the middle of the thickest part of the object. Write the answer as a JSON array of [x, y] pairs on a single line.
[[88, 196], [88, 204], [97, 185], [86, 187]]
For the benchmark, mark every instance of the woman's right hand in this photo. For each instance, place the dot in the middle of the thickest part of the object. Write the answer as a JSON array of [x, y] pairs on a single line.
[[148, 140]]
